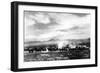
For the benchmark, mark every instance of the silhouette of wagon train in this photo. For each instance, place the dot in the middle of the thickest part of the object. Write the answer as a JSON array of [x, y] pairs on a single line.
[[55, 48]]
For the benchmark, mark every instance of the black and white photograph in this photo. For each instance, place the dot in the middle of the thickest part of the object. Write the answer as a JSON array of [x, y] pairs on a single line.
[[56, 36], [52, 36]]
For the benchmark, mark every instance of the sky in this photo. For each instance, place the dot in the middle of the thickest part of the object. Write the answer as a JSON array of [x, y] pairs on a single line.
[[44, 26]]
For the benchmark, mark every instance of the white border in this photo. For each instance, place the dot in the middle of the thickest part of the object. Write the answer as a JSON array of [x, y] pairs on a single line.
[[22, 64]]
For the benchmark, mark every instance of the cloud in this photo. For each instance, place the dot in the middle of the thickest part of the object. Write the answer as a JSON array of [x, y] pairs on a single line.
[[43, 26]]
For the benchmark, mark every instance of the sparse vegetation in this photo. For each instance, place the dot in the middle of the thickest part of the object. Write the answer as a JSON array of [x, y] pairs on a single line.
[[76, 49]]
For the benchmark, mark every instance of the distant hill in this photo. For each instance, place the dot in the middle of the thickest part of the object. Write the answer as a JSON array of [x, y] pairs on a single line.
[[55, 41]]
